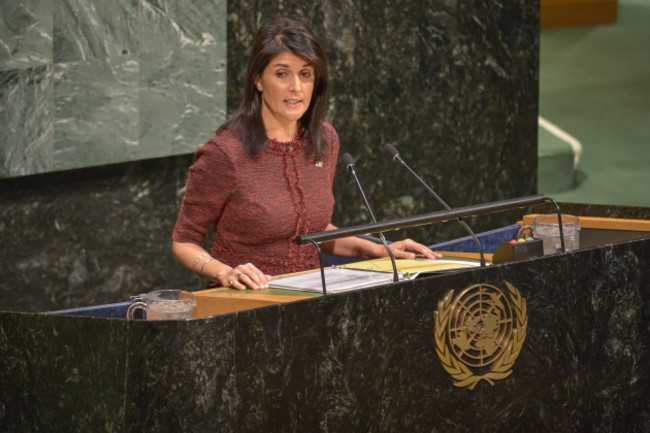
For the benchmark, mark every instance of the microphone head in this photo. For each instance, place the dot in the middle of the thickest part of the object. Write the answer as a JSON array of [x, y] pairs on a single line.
[[347, 161], [391, 151]]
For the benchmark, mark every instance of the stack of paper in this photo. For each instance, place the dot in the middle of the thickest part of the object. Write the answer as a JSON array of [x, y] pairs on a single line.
[[365, 274]]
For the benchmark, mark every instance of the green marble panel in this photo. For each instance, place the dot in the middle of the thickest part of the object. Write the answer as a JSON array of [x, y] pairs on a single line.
[[90, 83], [178, 106], [96, 115], [91, 30], [25, 34], [26, 121]]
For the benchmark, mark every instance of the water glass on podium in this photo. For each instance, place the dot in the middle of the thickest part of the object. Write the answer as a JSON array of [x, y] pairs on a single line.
[[546, 227], [164, 305]]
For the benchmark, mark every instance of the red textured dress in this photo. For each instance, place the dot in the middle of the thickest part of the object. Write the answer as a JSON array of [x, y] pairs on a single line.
[[259, 205]]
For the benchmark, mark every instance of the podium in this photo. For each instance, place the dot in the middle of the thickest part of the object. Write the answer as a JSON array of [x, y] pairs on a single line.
[[366, 360]]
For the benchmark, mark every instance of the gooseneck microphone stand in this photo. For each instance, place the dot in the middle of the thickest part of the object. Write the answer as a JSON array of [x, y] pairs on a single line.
[[348, 161], [394, 154]]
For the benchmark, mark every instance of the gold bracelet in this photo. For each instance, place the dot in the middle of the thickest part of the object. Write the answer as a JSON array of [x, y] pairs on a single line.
[[196, 261], [203, 265]]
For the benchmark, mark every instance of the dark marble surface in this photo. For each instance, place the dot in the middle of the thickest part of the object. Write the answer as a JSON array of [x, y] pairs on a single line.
[[59, 371], [91, 236], [181, 376], [583, 367], [360, 361]]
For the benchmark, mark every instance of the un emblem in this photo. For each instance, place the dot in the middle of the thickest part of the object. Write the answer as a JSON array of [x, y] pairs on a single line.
[[479, 334]]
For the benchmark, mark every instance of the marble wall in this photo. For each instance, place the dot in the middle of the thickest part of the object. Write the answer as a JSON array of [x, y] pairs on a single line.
[[452, 83], [87, 83], [88, 237]]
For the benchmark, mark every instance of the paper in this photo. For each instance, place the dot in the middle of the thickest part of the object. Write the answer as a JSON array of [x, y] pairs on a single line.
[[365, 274], [336, 280], [411, 267]]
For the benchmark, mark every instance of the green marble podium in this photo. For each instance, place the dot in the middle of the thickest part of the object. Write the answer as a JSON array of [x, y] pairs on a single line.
[[359, 361]]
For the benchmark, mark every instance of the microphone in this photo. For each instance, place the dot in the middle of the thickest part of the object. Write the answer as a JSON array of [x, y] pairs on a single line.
[[394, 155], [348, 161]]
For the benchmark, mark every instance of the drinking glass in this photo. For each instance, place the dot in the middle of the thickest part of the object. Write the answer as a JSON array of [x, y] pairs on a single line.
[[164, 305], [546, 227]]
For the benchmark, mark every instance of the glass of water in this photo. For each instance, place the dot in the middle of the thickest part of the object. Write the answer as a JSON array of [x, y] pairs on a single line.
[[546, 227], [164, 305]]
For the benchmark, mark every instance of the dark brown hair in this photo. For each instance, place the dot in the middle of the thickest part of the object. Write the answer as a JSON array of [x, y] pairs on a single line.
[[279, 36]]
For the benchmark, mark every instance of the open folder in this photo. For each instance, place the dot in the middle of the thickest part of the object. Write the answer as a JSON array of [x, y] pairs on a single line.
[[366, 274]]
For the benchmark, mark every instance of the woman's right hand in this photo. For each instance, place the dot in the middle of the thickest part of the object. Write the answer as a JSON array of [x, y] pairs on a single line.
[[199, 261], [244, 276]]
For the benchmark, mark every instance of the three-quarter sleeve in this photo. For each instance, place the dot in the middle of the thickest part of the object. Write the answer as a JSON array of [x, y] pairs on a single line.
[[208, 190]]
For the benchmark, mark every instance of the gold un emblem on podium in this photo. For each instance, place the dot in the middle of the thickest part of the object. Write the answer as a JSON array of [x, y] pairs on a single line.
[[479, 334]]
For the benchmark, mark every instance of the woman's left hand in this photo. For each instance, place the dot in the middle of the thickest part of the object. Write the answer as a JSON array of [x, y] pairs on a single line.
[[409, 249]]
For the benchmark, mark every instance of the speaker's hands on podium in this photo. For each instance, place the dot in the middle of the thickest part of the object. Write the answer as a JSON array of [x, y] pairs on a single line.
[[240, 277], [363, 248], [409, 249]]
